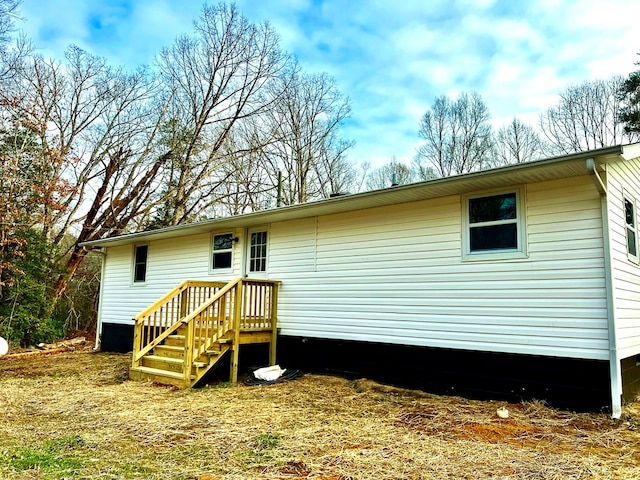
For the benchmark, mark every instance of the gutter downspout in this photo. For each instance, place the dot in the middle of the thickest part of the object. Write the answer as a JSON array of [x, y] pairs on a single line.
[[615, 373], [103, 255]]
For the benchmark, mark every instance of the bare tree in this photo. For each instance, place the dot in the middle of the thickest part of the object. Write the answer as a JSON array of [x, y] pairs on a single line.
[[586, 117], [303, 132], [7, 17], [214, 80], [97, 128], [518, 143], [248, 187], [421, 171], [389, 174], [335, 172], [11, 57], [457, 134]]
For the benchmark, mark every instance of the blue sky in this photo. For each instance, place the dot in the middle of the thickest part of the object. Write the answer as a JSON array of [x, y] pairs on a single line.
[[391, 58]]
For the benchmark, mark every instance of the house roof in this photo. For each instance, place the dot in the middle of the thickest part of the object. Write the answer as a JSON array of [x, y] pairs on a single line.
[[541, 170]]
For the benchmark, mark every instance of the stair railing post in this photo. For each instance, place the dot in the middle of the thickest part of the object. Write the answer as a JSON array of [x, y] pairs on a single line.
[[184, 300], [274, 323], [188, 353], [235, 345], [137, 342]]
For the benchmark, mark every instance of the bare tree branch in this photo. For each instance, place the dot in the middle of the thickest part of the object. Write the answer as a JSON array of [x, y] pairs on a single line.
[[586, 117], [457, 134]]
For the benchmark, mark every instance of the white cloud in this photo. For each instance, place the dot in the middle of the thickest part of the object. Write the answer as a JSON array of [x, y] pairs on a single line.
[[392, 58]]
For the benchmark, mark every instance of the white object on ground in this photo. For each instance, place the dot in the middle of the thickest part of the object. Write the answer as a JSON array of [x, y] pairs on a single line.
[[502, 413], [269, 373], [4, 346]]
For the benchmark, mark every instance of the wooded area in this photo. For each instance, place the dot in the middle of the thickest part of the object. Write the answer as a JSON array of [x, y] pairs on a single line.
[[222, 118]]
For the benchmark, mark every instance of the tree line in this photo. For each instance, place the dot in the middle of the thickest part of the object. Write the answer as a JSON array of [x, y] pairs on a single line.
[[89, 150], [223, 122], [459, 138]]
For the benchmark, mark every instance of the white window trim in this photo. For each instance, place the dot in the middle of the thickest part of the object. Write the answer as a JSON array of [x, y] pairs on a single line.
[[521, 224], [215, 271], [133, 266], [628, 198]]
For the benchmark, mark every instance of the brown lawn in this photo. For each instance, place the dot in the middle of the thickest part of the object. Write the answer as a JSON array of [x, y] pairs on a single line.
[[75, 416]]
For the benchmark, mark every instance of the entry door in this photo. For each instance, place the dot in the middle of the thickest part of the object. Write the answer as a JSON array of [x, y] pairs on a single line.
[[257, 252]]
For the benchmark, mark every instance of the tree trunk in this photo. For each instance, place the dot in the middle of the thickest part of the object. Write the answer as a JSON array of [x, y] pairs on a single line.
[[77, 255]]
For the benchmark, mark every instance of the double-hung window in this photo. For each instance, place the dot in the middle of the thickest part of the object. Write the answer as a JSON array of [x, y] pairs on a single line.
[[222, 251], [494, 225], [632, 232]]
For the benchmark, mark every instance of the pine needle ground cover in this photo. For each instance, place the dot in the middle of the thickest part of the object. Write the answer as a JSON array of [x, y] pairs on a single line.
[[76, 416]]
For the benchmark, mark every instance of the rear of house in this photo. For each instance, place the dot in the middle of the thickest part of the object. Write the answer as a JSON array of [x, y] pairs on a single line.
[[519, 282]]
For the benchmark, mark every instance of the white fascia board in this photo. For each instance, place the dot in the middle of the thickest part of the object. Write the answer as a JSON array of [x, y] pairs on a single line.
[[630, 152]]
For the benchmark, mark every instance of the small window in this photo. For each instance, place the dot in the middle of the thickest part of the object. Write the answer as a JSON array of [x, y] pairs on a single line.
[[630, 220], [140, 263], [493, 226], [222, 251], [258, 253]]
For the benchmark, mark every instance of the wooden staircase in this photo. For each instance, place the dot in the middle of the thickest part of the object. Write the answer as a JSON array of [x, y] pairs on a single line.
[[184, 334]]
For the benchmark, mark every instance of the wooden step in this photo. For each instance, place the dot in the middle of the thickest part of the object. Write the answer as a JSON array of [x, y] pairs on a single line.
[[182, 329], [169, 364], [169, 351], [178, 340], [160, 376], [218, 345], [163, 363], [175, 341]]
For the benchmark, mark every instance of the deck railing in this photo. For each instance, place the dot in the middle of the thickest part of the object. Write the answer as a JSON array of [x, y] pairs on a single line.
[[161, 318], [209, 311]]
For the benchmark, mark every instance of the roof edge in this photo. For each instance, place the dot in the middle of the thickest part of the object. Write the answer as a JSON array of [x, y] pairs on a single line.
[[614, 152]]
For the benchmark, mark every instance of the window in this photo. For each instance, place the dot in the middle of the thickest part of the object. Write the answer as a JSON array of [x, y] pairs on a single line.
[[494, 225], [140, 263], [258, 252], [222, 251], [630, 220]]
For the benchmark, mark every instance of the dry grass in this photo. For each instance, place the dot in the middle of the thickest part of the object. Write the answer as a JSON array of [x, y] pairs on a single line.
[[74, 416]]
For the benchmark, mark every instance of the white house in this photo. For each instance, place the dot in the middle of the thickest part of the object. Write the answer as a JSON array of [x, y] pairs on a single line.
[[523, 279]]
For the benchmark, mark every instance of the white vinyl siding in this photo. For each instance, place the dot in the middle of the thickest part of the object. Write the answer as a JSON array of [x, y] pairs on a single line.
[[292, 248], [169, 262], [395, 275], [623, 177]]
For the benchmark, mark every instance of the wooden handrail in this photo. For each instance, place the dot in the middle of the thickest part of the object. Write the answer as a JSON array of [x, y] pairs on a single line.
[[161, 301], [174, 292], [208, 311], [211, 300], [162, 317], [137, 355]]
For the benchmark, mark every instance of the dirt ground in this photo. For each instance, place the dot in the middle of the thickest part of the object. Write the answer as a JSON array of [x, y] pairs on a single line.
[[74, 415]]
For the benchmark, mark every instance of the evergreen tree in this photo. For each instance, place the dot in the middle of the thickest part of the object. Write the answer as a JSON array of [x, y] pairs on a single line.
[[630, 93]]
